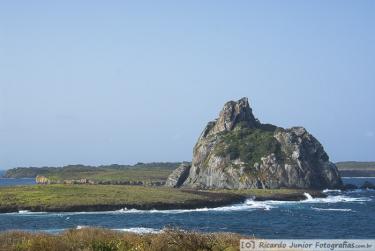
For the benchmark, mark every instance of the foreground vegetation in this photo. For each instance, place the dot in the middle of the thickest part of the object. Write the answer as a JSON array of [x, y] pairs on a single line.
[[106, 240], [55, 198]]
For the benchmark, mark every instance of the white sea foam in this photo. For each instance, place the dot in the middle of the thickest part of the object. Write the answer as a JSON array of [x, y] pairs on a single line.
[[337, 199], [139, 230], [237, 207], [248, 205], [27, 212], [308, 196], [331, 190], [331, 199], [332, 209]]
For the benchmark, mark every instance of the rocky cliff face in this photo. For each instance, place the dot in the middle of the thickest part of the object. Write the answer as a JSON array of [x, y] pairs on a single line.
[[237, 151]]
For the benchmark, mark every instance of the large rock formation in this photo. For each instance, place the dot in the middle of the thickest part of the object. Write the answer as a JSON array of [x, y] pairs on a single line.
[[236, 151]]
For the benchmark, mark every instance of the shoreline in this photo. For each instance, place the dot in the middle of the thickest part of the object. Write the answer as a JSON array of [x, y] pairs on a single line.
[[211, 199]]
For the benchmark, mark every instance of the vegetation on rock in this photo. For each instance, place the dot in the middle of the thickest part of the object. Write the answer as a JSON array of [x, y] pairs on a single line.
[[247, 144]]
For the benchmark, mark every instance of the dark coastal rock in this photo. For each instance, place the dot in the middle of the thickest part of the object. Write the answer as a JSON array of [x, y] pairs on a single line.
[[178, 176], [349, 187], [368, 185], [236, 151], [296, 196]]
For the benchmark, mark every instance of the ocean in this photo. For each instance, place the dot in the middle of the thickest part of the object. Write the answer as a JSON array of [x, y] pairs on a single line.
[[16, 182], [349, 214]]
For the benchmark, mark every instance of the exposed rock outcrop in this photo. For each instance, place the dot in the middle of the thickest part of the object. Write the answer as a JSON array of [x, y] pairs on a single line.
[[41, 180], [237, 151], [347, 187], [368, 185], [178, 176]]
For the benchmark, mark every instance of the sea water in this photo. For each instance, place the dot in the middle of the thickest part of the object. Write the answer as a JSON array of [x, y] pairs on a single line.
[[16, 182], [349, 214]]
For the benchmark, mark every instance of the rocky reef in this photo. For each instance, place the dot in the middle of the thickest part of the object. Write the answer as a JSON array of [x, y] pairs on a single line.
[[237, 151]]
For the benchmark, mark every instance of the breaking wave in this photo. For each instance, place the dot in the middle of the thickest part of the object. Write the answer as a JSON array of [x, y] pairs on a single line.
[[27, 212], [139, 230], [332, 209], [251, 204], [331, 190], [336, 199], [236, 207]]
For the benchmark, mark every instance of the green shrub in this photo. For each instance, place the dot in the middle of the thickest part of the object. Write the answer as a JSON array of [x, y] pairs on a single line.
[[247, 144]]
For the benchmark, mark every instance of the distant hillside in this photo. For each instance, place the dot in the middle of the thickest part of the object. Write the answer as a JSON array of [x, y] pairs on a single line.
[[356, 169], [148, 172], [110, 174]]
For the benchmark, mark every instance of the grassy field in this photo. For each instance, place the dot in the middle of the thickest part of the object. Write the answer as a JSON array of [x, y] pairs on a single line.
[[50, 197], [356, 169], [105, 240], [111, 197], [355, 165], [145, 173]]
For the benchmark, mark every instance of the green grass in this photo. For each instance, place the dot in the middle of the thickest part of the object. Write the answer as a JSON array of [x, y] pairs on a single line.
[[139, 172], [60, 197], [50, 196], [94, 239], [145, 173]]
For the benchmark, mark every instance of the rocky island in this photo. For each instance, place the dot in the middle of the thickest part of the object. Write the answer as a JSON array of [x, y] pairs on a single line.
[[237, 151]]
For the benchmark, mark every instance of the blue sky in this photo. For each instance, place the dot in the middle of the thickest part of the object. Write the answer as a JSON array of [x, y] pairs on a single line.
[[100, 82]]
